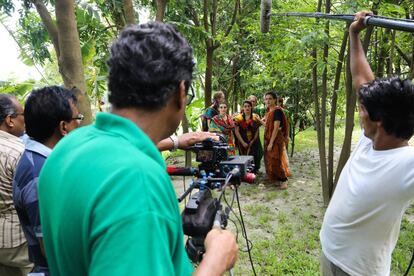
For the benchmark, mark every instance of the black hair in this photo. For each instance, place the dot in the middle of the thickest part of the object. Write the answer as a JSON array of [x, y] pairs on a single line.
[[272, 93], [7, 106], [45, 108], [391, 101], [147, 64], [248, 102]]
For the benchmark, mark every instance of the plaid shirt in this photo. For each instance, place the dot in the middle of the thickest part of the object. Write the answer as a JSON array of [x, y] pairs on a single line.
[[11, 149]]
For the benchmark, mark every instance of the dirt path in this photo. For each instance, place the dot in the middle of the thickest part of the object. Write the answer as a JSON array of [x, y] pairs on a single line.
[[283, 226], [273, 216]]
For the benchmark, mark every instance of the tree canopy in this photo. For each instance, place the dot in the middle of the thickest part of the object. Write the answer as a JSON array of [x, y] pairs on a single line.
[[303, 60]]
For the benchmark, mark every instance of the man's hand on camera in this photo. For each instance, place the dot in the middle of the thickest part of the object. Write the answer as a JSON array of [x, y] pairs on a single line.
[[358, 24], [185, 140], [189, 139], [221, 253]]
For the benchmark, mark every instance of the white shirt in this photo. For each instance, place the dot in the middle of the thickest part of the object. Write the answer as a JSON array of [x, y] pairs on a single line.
[[362, 222]]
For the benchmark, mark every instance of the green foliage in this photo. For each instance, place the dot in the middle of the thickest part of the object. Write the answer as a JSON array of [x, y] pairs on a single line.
[[20, 90], [33, 38], [6, 6], [193, 112], [95, 38]]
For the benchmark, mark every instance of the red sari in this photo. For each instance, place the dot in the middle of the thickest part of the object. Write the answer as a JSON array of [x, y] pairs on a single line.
[[277, 167]]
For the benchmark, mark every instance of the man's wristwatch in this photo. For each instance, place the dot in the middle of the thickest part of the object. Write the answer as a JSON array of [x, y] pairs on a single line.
[[174, 139]]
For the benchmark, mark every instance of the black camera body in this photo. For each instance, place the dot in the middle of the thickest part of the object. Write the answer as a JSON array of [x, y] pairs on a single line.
[[200, 212], [209, 154]]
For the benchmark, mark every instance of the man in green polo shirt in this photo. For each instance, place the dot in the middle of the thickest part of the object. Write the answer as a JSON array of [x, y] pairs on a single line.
[[107, 205]]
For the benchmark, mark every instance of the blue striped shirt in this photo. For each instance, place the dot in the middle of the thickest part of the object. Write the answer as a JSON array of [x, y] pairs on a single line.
[[25, 184]]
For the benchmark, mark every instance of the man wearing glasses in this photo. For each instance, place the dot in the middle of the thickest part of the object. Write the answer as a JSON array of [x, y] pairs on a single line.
[[108, 206], [50, 114], [13, 246]]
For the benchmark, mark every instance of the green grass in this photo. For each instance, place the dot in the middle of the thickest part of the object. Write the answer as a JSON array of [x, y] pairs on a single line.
[[404, 249], [308, 139], [285, 252], [284, 225], [287, 242]]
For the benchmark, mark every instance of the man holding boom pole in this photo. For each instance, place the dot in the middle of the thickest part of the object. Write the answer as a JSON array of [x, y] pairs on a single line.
[[362, 222]]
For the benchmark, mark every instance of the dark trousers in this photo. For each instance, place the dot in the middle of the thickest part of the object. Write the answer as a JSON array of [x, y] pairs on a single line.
[[330, 269]]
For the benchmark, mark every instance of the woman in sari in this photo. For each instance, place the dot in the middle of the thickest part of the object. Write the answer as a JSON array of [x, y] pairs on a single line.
[[212, 111], [224, 124], [275, 139], [247, 133]]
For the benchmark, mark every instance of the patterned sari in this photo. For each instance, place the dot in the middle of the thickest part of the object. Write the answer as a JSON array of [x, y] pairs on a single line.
[[224, 126], [248, 129], [276, 163]]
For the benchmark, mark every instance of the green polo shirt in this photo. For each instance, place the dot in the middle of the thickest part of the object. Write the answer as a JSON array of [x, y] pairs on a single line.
[[107, 205]]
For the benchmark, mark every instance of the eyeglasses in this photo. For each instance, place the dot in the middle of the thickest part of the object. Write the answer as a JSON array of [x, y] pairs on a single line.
[[14, 115], [190, 95], [80, 117]]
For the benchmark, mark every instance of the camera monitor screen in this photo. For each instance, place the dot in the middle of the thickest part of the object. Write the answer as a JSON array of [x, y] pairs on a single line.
[[205, 155]]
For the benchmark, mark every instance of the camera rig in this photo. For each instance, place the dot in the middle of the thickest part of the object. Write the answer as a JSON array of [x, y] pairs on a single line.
[[203, 211]]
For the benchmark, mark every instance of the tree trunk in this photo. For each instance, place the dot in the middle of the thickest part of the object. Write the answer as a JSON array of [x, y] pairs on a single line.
[[210, 27], [322, 156], [403, 55], [186, 128], [49, 24], [235, 82], [383, 53], [351, 102], [412, 59], [398, 65], [322, 146], [333, 112], [390, 58], [129, 12], [374, 69], [70, 58], [161, 7], [295, 118], [208, 76], [349, 124]]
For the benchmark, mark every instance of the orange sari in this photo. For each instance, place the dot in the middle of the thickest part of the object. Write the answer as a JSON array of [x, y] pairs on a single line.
[[277, 167]]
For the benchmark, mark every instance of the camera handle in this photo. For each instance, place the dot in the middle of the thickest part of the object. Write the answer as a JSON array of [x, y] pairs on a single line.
[[184, 195], [220, 222]]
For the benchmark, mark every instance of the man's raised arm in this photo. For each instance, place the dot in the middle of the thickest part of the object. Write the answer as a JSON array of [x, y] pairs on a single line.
[[360, 69]]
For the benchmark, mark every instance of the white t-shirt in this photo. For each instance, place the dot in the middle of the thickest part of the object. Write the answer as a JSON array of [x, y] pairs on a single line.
[[362, 222]]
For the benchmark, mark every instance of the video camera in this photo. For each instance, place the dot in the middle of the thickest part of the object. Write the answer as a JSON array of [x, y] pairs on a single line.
[[216, 170]]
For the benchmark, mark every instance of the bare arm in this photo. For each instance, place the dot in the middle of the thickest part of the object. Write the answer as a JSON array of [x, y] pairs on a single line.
[[360, 69], [263, 121], [186, 140], [221, 253]]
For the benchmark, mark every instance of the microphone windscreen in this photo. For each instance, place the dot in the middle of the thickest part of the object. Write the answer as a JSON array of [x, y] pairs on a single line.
[[265, 10], [180, 171]]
